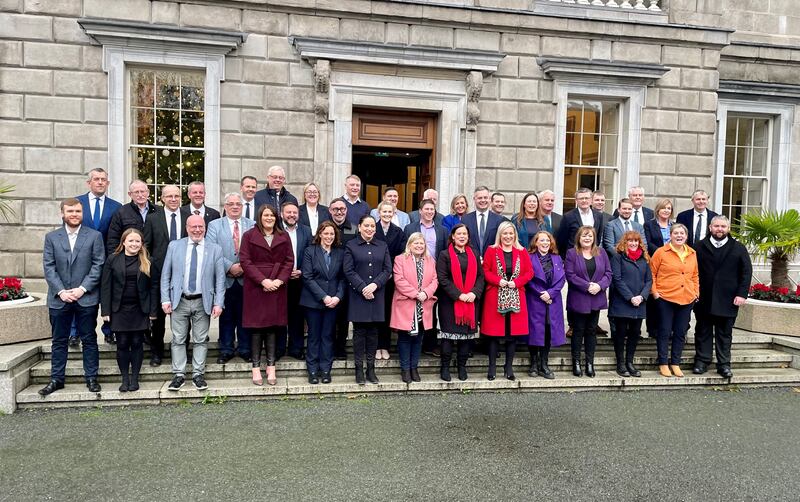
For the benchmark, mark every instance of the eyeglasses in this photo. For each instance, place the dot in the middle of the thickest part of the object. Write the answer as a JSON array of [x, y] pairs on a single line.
[[233, 204], [337, 209], [312, 192]]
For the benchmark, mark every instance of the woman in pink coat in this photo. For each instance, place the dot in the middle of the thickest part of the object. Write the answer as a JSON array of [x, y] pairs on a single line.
[[415, 283]]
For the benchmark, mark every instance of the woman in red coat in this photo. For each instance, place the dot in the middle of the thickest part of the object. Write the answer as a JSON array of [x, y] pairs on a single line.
[[267, 259], [507, 269]]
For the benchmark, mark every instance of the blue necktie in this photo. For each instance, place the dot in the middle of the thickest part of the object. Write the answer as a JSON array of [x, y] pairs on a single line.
[[193, 270], [328, 260], [173, 228], [96, 217], [548, 224], [247, 211]]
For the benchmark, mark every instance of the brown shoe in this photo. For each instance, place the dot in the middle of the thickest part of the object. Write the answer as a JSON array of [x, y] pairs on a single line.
[[676, 370], [663, 369]]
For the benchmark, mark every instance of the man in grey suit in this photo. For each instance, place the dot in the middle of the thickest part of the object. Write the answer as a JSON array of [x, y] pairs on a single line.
[[192, 290], [226, 232], [618, 226], [73, 263]]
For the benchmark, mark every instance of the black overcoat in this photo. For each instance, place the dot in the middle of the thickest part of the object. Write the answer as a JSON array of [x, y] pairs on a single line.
[[365, 263], [724, 274]]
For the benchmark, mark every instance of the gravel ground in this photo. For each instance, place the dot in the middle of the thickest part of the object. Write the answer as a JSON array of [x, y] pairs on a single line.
[[677, 445]]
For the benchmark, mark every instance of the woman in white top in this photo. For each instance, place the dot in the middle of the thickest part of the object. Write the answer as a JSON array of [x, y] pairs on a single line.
[[312, 213]]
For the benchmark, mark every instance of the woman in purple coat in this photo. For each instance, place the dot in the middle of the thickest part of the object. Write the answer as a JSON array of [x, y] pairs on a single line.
[[545, 307], [588, 273]]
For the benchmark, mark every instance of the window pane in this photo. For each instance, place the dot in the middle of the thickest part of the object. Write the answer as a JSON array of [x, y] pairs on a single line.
[[143, 126], [168, 90], [193, 131], [737, 191], [608, 150], [142, 88], [730, 159], [610, 123], [730, 131], [192, 91], [761, 132], [591, 116], [193, 163], [168, 127], [574, 116], [144, 164], [759, 167], [745, 135], [754, 193], [590, 147], [742, 161]]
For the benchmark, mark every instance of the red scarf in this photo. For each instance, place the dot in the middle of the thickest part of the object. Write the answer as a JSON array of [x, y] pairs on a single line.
[[634, 255], [465, 312]]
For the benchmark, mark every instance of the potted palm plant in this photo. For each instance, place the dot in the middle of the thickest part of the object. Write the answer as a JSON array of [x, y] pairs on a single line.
[[774, 236]]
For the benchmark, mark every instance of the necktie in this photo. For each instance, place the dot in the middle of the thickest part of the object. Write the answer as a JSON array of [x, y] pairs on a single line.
[[636, 216], [327, 260], [173, 228], [96, 217], [236, 236], [698, 229], [196, 212], [482, 229], [193, 270], [627, 225], [548, 224], [247, 211]]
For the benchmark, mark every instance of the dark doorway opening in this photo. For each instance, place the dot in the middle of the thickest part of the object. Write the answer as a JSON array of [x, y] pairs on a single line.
[[381, 168]]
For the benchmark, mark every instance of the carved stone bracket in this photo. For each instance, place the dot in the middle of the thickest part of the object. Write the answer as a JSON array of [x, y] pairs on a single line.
[[322, 82], [474, 89]]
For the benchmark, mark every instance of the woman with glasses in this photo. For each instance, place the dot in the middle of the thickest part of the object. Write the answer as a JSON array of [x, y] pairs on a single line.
[[312, 213]]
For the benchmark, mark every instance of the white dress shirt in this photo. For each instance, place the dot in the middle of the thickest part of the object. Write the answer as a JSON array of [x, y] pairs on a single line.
[[201, 209], [587, 218], [252, 205], [93, 200], [719, 244], [72, 236], [313, 218], [704, 228], [188, 263], [168, 215]]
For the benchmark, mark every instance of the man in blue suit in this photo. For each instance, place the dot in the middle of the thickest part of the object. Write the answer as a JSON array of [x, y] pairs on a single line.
[[97, 212], [618, 226], [226, 232], [73, 263], [482, 223], [192, 290], [300, 236], [697, 219]]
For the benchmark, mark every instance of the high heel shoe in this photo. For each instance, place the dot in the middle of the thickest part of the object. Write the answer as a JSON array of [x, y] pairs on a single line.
[[257, 376], [664, 371], [676, 370], [378, 354], [271, 378], [590, 368], [576, 367]]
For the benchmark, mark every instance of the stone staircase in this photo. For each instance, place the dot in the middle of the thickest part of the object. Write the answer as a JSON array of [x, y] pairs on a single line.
[[758, 360]]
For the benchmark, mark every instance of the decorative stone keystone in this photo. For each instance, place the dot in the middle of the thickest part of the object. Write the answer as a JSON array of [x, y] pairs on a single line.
[[474, 89], [322, 81]]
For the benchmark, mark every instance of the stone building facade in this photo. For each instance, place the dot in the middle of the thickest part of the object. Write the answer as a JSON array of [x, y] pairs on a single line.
[[518, 95]]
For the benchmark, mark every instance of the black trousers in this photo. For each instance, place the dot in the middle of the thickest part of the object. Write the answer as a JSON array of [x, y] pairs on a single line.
[[155, 337], [626, 337], [342, 326], [653, 317], [584, 332], [365, 342], [711, 330], [534, 350], [295, 331], [265, 337], [130, 352], [494, 347]]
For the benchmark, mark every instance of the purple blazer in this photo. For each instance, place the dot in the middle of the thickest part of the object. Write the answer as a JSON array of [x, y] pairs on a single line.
[[578, 298], [537, 308]]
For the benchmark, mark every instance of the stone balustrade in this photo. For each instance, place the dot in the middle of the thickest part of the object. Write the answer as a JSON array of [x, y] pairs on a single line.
[[643, 5]]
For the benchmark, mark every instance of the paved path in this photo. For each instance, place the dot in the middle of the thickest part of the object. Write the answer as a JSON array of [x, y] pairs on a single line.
[[666, 445]]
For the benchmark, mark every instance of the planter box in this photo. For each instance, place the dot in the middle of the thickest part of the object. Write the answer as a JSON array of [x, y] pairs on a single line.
[[23, 322], [769, 317]]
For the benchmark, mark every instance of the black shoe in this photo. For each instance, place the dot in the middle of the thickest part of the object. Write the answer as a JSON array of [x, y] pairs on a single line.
[[462, 372], [176, 383], [199, 382], [371, 376], [509, 375], [699, 368], [405, 375], [590, 369], [326, 378], [111, 339], [133, 384], [224, 358], [415, 375], [490, 377], [576, 367], [155, 361], [74, 342], [50, 388], [360, 376], [312, 379], [245, 357], [92, 385], [300, 356], [632, 370], [622, 370], [725, 372], [444, 373], [544, 370], [125, 383]]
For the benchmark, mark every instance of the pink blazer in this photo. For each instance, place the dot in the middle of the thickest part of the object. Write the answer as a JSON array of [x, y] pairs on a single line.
[[405, 291]]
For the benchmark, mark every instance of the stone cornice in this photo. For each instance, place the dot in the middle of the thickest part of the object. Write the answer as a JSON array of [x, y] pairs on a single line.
[[313, 49], [759, 90], [600, 70]]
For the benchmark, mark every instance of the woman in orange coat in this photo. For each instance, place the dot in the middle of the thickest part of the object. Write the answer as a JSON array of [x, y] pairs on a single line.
[[676, 287], [507, 268]]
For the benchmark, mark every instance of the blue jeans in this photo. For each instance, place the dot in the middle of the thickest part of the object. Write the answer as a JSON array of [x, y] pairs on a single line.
[[85, 323], [409, 348], [673, 321], [321, 329], [230, 324]]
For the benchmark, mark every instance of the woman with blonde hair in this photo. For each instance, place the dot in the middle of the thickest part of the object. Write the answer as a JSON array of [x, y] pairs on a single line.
[[129, 298], [459, 206], [395, 240], [415, 285], [507, 268], [311, 212]]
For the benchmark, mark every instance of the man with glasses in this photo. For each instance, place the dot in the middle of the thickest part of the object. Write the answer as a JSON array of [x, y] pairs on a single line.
[[275, 192], [132, 215]]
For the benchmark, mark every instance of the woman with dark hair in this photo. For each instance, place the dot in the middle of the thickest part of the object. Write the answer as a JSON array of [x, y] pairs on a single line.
[[267, 260], [588, 272], [632, 280], [367, 268], [459, 206], [129, 298], [460, 277], [545, 306], [323, 290], [528, 220], [507, 269], [395, 240]]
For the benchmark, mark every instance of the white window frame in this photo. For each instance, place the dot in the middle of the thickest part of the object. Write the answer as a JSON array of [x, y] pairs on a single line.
[[632, 99], [782, 115]]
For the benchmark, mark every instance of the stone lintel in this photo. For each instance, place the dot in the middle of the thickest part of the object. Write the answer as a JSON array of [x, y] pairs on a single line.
[[758, 90], [608, 71]]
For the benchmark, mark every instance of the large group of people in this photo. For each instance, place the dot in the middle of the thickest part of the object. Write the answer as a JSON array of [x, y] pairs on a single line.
[[269, 266]]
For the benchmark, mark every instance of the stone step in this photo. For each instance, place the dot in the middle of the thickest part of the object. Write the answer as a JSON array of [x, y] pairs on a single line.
[[219, 391], [560, 361]]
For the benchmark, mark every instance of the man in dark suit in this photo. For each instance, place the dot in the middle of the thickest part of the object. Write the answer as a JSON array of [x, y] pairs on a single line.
[[582, 215], [98, 210], [274, 194], [697, 219], [725, 270], [347, 232], [599, 204], [300, 236], [429, 194], [640, 213], [616, 228], [482, 223], [131, 215], [552, 220], [248, 188], [197, 204], [73, 260], [163, 226]]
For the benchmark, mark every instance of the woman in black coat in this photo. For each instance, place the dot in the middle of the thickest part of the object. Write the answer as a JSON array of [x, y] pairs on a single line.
[[631, 280], [311, 212], [323, 290], [129, 299], [395, 240], [461, 282], [367, 268]]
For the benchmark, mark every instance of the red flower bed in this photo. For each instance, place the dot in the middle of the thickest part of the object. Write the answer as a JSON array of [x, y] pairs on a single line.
[[770, 294], [11, 289]]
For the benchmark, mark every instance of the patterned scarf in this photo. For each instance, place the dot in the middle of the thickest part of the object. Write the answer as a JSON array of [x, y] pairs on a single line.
[[507, 298], [417, 320]]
